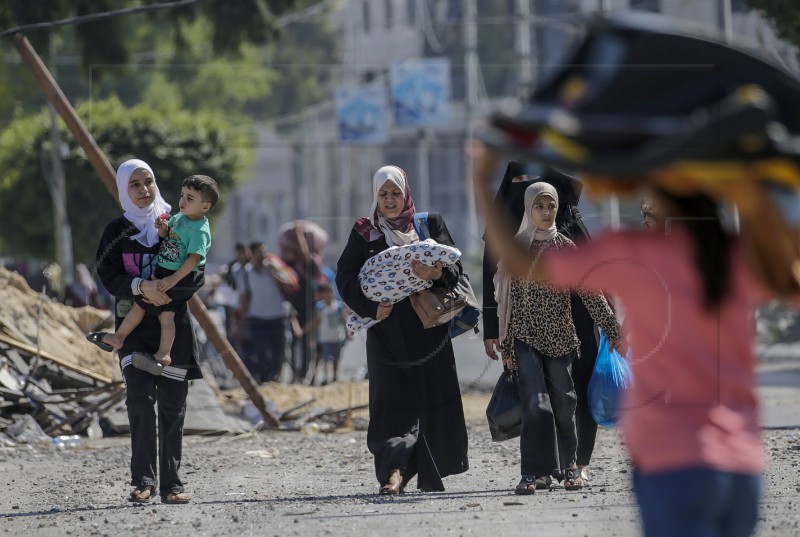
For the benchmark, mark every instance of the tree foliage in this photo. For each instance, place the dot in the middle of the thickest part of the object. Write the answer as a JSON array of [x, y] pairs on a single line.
[[176, 145], [234, 22], [783, 14], [177, 59]]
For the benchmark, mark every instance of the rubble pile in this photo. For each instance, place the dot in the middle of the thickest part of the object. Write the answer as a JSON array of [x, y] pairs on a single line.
[[48, 371]]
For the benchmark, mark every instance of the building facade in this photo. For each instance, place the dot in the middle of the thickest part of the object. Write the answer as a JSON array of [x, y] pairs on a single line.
[[496, 51]]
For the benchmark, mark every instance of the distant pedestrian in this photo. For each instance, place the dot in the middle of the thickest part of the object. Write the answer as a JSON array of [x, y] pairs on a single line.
[[83, 289], [261, 285], [330, 317]]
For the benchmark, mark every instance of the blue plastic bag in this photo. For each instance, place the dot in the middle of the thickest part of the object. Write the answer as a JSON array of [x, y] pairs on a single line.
[[611, 374]]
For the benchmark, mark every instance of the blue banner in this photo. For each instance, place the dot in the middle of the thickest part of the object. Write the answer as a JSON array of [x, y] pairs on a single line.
[[362, 114], [421, 92]]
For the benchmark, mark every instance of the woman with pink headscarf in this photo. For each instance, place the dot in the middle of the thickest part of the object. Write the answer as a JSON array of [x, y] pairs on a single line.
[[416, 418]]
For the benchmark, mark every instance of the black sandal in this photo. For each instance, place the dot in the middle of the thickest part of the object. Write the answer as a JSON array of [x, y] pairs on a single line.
[[395, 485], [146, 362], [573, 479], [526, 485], [544, 482], [97, 339]]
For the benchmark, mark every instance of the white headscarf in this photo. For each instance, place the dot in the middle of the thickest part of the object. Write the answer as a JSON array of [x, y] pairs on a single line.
[[389, 227], [527, 233], [143, 219]]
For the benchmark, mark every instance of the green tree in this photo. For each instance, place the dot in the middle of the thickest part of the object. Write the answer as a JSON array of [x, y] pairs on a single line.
[[108, 40], [176, 145], [783, 14]]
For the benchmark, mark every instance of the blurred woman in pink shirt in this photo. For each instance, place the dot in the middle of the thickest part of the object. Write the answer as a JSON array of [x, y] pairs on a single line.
[[690, 420]]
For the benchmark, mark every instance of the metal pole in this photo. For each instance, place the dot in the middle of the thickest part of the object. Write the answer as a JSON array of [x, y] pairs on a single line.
[[345, 191], [101, 165], [62, 230], [726, 17], [524, 44], [423, 169], [614, 216], [471, 103]]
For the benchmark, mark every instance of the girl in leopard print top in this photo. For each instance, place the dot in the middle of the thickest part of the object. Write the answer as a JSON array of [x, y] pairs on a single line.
[[538, 339], [541, 313]]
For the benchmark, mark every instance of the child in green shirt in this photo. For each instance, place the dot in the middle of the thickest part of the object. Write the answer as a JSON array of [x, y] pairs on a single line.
[[187, 238]]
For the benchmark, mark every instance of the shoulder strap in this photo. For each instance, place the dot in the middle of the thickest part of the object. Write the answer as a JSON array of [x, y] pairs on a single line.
[[421, 225], [578, 219]]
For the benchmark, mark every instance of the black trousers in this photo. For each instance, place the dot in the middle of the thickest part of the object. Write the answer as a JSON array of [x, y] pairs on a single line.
[[548, 442], [581, 374], [156, 411]]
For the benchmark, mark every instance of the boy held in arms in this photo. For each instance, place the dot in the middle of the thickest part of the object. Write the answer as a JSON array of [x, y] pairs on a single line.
[[187, 238]]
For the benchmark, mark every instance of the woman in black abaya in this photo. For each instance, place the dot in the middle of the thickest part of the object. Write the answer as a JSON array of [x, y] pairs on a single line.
[[416, 418], [511, 198]]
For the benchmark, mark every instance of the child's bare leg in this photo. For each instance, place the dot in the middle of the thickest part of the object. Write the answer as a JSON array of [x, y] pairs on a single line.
[[129, 323], [167, 320], [330, 372]]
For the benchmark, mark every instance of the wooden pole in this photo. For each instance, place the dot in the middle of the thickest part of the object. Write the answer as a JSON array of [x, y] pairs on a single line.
[[60, 102], [104, 169], [231, 359]]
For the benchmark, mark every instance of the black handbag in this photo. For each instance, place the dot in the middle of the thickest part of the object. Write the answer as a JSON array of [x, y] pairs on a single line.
[[504, 411]]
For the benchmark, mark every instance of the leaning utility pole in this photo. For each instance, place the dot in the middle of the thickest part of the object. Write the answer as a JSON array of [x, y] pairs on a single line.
[[471, 102], [106, 172]]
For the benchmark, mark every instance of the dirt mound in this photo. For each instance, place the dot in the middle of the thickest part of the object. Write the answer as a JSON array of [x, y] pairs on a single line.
[[338, 395], [27, 317]]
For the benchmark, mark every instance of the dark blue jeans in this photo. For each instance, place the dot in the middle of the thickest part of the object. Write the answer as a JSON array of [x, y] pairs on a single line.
[[697, 502], [265, 348]]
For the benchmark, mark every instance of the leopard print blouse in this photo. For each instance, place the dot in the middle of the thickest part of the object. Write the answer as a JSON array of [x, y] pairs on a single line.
[[541, 314]]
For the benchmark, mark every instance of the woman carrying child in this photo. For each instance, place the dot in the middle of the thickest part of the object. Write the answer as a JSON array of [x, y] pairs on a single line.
[[126, 260]]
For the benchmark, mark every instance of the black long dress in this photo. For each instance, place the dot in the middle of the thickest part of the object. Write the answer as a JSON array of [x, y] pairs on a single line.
[[511, 199], [416, 416]]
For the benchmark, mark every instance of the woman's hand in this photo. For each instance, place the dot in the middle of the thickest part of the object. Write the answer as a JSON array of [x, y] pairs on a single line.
[[425, 272], [151, 293], [619, 345], [384, 310], [492, 347], [167, 283]]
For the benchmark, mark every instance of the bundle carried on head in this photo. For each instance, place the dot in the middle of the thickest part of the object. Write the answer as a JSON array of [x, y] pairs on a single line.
[[640, 101]]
